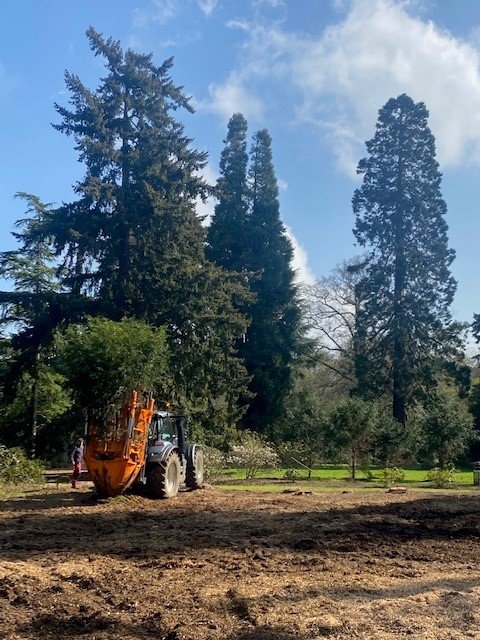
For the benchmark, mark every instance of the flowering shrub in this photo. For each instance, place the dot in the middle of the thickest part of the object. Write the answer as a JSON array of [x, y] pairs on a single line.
[[252, 454], [214, 461], [15, 467]]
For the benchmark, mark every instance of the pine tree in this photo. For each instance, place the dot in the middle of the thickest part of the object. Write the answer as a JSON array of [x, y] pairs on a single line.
[[132, 238], [404, 326]]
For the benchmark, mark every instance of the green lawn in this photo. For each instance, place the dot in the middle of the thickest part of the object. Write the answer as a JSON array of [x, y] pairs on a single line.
[[330, 473]]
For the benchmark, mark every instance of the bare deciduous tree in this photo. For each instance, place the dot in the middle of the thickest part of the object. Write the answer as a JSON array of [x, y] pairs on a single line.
[[331, 306]]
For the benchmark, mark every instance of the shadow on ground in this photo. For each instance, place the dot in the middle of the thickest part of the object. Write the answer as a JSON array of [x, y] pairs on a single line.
[[139, 527]]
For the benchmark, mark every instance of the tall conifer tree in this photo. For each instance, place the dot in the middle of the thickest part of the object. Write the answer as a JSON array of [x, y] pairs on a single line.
[[132, 237], [405, 326], [247, 235], [226, 234], [32, 272], [273, 338]]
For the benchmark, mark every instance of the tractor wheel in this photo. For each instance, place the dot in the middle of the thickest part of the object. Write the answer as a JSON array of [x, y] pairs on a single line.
[[164, 478], [195, 468]]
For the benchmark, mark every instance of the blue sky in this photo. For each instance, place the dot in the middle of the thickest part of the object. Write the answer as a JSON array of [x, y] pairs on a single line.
[[314, 72]]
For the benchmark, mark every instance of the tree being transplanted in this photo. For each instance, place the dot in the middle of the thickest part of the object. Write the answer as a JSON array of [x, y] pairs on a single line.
[[404, 327], [104, 361]]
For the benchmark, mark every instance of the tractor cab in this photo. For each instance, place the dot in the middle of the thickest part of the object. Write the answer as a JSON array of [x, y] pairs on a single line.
[[166, 428]]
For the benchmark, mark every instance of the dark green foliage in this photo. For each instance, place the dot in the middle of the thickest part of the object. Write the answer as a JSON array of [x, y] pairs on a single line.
[[134, 219], [447, 426], [404, 328], [247, 236], [476, 327], [351, 428], [104, 361], [29, 308], [16, 468], [228, 243], [52, 401], [474, 402], [32, 310], [132, 239], [304, 426], [274, 338], [394, 444]]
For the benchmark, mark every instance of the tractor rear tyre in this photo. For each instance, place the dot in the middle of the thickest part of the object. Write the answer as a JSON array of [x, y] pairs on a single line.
[[195, 468], [164, 478]]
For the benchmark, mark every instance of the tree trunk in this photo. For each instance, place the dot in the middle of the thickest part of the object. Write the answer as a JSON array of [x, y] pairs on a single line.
[[33, 409], [399, 399], [122, 294], [353, 464], [441, 460]]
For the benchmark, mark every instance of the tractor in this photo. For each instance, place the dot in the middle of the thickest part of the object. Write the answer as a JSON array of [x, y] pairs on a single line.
[[143, 446], [170, 460]]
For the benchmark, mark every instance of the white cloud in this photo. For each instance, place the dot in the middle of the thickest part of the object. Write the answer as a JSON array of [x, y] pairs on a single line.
[[344, 75], [303, 273], [162, 11], [271, 3], [282, 184], [205, 209], [159, 12], [207, 6], [233, 97]]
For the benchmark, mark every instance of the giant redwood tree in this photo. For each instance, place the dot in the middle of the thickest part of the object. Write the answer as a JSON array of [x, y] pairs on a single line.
[[405, 325]]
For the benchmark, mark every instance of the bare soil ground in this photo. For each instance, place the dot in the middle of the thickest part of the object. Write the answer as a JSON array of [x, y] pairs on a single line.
[[240, 566]]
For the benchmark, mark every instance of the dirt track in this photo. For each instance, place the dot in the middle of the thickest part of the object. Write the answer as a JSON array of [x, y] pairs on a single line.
[[242, 566]]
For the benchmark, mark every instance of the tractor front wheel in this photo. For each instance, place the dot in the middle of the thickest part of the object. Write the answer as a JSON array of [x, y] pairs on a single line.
[[195, 468], [163, 479]]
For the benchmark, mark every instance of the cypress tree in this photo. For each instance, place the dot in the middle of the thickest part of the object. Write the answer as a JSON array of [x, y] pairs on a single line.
[[404, 325], [273, 338], [247, 236], [226, 234]]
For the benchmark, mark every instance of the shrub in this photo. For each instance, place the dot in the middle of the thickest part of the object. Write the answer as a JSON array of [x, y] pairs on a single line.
[[252, 454], [214, 462], [368, 474], [291, 475], [15, 467], [440, 477], [299, 452], [391, 475]]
